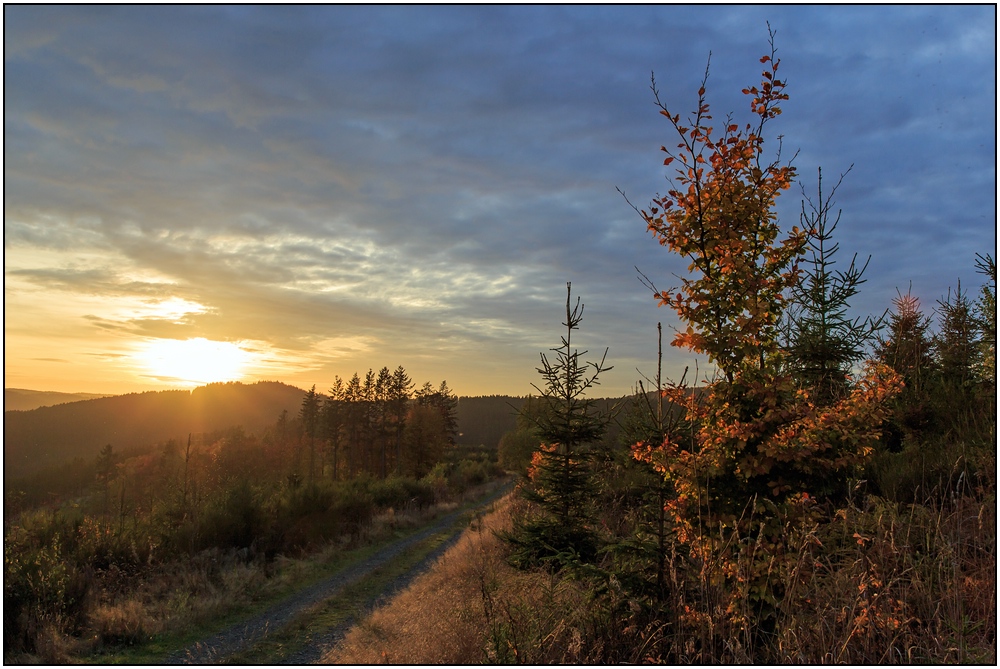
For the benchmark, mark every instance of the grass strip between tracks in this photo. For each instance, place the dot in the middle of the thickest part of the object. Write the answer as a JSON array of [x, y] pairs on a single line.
[[350, 605]]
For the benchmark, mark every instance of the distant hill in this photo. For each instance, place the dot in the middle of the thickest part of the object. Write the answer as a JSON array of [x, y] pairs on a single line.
[[49, 436], [483, 420], [19, 399], [52, 435]]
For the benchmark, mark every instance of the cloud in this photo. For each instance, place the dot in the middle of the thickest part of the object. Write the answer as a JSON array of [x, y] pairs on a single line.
[[427, 179]]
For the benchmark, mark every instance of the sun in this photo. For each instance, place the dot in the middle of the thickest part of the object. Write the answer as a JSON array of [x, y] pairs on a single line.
[[193, 361]]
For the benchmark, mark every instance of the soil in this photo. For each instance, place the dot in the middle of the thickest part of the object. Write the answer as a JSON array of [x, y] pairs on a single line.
[[215, 649]]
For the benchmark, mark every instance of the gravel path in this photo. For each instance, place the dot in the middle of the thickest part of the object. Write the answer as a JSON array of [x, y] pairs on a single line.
[[217, 648]]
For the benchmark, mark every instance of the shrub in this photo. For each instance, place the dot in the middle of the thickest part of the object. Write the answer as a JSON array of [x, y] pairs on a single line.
[[515, 449], [42, 591], [316, 513], [124, 623], [234, 520], [397, 492]]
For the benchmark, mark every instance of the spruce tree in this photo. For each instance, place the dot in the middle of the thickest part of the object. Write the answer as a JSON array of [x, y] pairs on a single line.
[[986, 319], [956, 395], [908, 347], [445, 402], [823, 341], [333, 421], [957, 343], [399, 402], [310, 414], [383, 390], [909, 350], [560, 484]]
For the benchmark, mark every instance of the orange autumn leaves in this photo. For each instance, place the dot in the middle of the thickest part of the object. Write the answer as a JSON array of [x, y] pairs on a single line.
[[786, 447], [721, 217], [754, 433]]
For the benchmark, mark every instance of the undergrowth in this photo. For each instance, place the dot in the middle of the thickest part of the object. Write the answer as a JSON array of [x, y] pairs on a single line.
[[76, 586], [882, 582]]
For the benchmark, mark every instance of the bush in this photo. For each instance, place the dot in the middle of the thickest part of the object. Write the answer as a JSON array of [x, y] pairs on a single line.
[[125, 623], [234, 520], [397, 492], [323, 511], [41, 591], [470, 473], [515, 449]]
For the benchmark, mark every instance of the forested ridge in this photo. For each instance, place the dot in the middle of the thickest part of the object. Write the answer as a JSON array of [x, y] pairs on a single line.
[[52, 435]]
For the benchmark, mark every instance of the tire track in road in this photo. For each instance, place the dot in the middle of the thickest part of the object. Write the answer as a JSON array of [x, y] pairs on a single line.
[[216, 648]]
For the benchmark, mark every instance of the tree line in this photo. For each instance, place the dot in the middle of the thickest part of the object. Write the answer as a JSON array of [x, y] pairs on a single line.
[[377, 424]]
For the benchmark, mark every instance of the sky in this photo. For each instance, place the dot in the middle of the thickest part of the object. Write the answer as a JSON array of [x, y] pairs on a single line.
[[197, 193]]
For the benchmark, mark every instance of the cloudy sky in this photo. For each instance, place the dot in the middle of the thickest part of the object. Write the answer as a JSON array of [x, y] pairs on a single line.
[[298, 193]]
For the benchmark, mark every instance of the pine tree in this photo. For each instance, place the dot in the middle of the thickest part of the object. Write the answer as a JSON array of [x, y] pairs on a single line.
[[402, 387], [824, 342], [567, 424], [310, 414]]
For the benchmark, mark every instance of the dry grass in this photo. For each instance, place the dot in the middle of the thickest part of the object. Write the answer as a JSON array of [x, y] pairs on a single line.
[[886, 584], [472, 607], [915, 585], [53, 646], [125, 623], [439, 618]]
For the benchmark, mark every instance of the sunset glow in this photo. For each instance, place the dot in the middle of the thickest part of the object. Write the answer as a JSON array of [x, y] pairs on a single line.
[[193, 361]]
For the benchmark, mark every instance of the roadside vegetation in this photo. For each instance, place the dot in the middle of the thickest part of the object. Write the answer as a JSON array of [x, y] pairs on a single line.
[[167, 543], [826, 494]]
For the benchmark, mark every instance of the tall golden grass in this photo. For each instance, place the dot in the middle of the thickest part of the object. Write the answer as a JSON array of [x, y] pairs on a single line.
[[472, 607], [884, 583]]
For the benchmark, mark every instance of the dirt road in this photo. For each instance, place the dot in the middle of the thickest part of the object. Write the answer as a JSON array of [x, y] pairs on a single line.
[[217, 648]]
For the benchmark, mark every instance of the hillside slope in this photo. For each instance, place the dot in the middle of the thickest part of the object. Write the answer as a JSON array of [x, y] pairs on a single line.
[[21, 399], [50, 435], [483, 420]]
